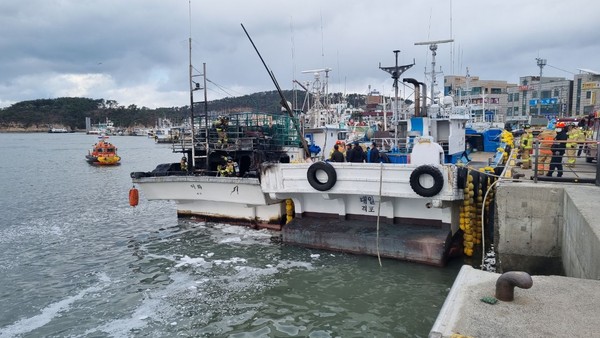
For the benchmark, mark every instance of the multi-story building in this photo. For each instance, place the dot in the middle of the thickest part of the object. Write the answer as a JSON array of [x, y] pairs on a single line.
[[586, 93], [487, 98], [549, 98]]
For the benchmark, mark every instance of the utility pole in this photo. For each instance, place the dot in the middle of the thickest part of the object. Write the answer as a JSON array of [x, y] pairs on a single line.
[[541, 63]]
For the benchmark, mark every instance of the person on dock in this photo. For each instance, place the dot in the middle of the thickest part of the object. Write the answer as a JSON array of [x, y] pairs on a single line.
[[546, 138], [573, 137], [337, 155], [525, 147], [558, 150]]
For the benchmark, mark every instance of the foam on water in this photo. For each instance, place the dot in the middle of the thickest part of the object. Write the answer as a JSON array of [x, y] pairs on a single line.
[[26, 325]]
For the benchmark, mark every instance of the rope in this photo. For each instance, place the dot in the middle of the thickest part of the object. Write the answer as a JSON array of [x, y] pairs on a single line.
[[483, 224], [379, 210]]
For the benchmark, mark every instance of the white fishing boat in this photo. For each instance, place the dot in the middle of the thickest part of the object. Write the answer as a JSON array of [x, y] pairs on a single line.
[[279, 183]]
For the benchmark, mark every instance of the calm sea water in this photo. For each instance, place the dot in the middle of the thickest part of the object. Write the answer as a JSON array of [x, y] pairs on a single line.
[[77, 261]]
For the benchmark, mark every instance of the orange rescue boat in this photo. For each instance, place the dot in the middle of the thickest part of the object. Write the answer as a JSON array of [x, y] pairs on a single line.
[[103, 153]]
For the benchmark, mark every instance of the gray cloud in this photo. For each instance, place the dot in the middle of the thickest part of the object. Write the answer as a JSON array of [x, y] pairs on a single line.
[[136, 51]]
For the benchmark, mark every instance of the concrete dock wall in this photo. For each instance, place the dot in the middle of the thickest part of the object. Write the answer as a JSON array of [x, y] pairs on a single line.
[[581, 235], [548, 229]]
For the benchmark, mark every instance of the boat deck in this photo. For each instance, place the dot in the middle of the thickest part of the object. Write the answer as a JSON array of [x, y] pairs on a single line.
[[416, 243]]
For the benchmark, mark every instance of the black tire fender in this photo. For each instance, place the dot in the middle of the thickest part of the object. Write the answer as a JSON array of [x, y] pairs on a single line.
[[461, 179], [435, 173], [314, 182]]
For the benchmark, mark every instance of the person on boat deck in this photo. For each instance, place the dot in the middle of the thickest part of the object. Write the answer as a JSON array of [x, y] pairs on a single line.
[[465, 153], [183, 163], [358, 154], [221, 124], [337, 155], [228, 170], [373, 153], [341, 148], [349, 153]]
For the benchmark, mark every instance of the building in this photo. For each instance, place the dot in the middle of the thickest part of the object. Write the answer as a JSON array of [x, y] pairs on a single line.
[[586, 93], [525, 101], [488, 98]]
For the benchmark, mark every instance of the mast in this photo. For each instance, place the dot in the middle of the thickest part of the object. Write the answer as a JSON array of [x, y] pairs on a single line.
[[192, 102], [396, 71], [193, 154], [433, 49], [205, 114]]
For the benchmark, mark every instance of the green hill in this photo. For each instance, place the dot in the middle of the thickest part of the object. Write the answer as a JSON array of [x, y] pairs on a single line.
[[70, 112]]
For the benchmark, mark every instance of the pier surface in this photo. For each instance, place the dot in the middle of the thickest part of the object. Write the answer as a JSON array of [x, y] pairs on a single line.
[[554, 306], [538, 225]]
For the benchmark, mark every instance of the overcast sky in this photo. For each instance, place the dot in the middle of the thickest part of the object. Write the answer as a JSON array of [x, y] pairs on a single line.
[[136, 51]]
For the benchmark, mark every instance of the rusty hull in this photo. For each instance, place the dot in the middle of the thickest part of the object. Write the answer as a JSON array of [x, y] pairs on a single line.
[[415, 243]]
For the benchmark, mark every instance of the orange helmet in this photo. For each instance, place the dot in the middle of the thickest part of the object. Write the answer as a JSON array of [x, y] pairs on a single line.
[[339, 142], [560, 125]]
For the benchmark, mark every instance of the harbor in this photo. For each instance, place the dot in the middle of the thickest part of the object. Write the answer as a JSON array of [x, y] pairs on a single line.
[[112, 270]]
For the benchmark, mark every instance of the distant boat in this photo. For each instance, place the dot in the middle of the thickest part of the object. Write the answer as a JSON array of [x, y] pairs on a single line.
[[57, 130], [103, 153]]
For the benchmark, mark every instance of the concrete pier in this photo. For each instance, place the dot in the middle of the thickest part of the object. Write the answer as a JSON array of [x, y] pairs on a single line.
[[541, 228], [554, 306]]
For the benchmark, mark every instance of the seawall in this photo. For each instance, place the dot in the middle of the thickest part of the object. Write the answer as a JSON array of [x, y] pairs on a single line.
[[540, 228], [548, 229]]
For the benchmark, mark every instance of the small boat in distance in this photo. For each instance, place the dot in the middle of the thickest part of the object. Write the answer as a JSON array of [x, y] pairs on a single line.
[[57, 130], [103, 153]]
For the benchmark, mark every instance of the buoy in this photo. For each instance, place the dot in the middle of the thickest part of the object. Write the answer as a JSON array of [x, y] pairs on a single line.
[[134, 196]]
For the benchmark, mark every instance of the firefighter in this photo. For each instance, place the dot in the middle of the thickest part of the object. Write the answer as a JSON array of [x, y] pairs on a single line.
[[227, 170], [573, 136], [183, 164], [546, 139], [221, 124], [581, 138], [525, 147]]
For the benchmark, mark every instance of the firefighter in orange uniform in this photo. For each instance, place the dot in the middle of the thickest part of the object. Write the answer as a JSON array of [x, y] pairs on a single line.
[[546, 139]]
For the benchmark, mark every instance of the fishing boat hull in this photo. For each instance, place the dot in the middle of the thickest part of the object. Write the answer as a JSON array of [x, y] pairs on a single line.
[[366, 199], [358, 189], [230, 199], [355, 194]]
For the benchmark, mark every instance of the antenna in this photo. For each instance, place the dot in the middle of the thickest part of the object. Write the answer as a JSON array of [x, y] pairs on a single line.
[[433, 49]]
